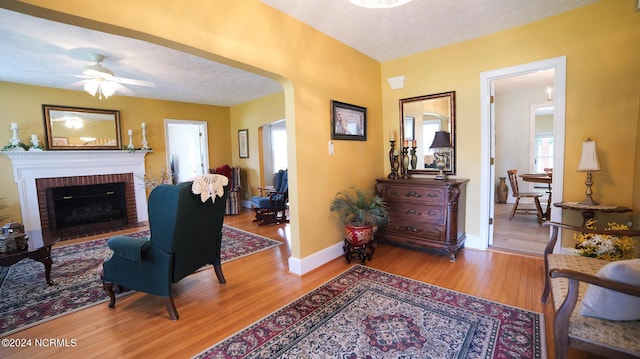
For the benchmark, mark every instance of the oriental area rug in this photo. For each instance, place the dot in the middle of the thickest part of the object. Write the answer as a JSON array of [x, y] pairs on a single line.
[[366, 313], [26, 300]]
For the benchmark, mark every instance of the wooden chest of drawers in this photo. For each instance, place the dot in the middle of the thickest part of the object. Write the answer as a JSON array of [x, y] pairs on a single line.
[[425, 213]]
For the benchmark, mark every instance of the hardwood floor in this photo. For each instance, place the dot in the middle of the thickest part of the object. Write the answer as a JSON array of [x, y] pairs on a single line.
[[521, 234], [259, 284]]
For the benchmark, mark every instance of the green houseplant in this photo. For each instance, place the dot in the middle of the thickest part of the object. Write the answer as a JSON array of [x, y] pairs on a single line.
[[359, 211]]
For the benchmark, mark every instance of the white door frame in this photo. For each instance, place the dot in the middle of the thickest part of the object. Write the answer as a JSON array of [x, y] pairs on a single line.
[[559, 64], [204, 142]]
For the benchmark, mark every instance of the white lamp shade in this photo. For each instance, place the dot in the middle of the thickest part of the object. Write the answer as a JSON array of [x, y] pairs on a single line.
[[379, 4], [589, 157]]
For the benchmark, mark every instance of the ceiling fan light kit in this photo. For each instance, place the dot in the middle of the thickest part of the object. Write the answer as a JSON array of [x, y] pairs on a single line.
[[100, 87], [102, 82], [379, 4]]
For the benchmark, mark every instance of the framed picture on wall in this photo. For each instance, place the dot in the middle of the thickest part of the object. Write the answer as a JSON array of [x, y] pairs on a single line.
[[243, 143], [348, 122]]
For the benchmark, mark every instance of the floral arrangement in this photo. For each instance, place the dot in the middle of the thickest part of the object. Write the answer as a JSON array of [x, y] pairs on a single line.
[[605, 246], [152, 181]]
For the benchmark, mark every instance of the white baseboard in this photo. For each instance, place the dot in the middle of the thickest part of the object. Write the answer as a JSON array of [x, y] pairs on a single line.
[[300, 266]]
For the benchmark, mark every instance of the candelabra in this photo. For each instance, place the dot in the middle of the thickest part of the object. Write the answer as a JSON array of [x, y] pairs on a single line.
[[393, 161]]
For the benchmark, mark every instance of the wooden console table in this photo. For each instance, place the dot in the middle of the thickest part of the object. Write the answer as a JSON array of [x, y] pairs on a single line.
[[425, 213], [589, 210]]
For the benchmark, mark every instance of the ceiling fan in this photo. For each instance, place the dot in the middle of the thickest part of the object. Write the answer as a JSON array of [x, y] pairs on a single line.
[[102, 82]]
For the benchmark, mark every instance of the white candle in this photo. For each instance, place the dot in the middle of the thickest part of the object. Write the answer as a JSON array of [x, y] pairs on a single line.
[[130, 132], [14, 126], [391, 136], [144, 125], [34, 137]]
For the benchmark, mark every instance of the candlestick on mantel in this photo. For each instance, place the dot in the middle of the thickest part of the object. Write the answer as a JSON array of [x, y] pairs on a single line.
[[145, 144], [14, 138], [130, 132]]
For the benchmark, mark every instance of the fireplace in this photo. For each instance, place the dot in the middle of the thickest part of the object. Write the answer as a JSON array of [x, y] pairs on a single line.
[[83, 194], [34, 172]]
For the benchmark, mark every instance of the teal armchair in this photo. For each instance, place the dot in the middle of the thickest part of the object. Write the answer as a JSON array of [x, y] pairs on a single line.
[[186, 234]]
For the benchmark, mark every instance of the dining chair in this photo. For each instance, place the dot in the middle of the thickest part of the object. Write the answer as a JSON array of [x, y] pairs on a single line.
[[517, 195]]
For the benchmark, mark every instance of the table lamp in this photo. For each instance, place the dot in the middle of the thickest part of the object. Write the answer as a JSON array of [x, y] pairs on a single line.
[[441, 146], [589, 163]]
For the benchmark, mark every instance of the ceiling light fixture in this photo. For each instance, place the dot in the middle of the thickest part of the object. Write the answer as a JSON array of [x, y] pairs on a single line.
[[100, 87], [378, 4]]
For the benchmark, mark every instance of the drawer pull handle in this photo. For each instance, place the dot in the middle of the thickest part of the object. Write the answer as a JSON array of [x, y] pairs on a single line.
[[432, 213], [413, 194], [412, 211], [433, 195], [412, 229]]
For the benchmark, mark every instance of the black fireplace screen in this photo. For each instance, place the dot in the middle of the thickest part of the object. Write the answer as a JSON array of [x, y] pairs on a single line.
[[82, 206]]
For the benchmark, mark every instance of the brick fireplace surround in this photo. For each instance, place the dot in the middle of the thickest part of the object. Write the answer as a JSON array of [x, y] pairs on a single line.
[[34, 171]]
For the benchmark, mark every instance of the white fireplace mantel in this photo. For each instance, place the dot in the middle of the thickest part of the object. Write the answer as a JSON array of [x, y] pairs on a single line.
[[31, 165]]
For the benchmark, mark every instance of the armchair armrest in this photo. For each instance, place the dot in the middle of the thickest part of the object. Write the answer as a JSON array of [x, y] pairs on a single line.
[[128, 247], [563, 314], [575, 276], [264, 192]]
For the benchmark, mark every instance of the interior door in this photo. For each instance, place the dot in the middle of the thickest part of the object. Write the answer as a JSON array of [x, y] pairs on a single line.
[[187, 149]]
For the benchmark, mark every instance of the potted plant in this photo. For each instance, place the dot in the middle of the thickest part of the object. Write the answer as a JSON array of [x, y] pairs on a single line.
[[359, 211]]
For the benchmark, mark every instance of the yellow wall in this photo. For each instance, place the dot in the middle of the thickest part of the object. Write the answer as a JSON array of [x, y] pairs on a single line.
[[600, 42], [252, 115], [23, 104]]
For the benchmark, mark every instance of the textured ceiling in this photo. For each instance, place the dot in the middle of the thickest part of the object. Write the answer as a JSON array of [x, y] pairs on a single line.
[[44, 53]]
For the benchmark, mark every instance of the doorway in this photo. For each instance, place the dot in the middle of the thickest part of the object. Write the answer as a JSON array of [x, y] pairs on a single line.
[[274, 150], [491, 167], [187, 148]]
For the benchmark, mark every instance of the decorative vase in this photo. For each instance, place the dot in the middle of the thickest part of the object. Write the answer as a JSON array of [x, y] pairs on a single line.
[[414, 158], [358, 236], [503, 190]]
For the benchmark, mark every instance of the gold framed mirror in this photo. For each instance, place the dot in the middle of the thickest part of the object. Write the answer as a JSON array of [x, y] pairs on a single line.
[[73, 128], [428, 114]]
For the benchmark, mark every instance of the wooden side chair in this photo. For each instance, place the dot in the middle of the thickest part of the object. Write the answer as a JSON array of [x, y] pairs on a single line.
[[517, 195]]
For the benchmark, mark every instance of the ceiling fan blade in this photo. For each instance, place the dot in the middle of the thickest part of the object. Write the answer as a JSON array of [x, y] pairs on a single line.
[[134, 82]]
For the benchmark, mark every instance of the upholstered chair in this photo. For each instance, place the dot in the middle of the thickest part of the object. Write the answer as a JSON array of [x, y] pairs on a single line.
[[271, 205], [186, 234], [234, 203]]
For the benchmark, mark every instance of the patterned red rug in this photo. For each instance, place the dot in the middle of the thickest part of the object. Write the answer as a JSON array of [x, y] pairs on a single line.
[[366, 313], [26, 300]]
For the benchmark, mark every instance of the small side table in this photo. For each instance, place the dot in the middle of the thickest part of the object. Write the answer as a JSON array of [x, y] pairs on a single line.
[[589, 210], [39, 249]]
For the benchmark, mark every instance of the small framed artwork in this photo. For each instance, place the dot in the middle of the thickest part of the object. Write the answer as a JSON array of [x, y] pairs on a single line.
[[409, 128], [243, 143], [348, 122], [60, 141]]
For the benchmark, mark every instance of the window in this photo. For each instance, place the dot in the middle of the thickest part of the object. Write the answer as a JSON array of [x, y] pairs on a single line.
[[543, 152], [279, 147]]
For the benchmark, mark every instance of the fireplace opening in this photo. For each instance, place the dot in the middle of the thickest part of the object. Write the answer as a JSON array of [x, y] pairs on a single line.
[[76, 209]]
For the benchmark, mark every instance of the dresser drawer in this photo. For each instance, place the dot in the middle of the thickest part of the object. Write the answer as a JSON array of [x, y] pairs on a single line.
[[417, 230], [418, 213], [413, 194]]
